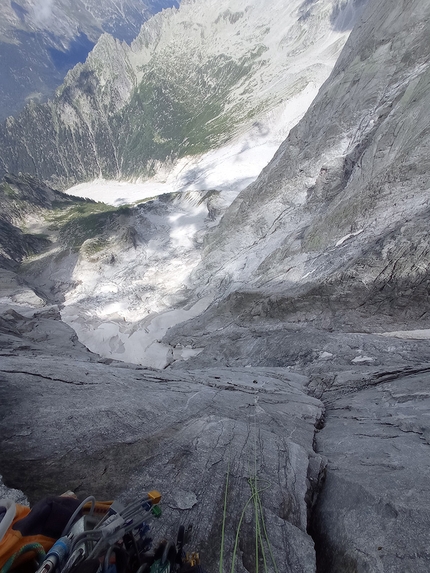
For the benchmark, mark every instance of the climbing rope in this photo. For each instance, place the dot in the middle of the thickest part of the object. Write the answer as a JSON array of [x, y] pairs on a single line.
[[224, 513], [36, 548], [261, 534]]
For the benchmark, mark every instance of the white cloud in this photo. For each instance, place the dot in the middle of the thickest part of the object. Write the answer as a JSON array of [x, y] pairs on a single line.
[[43, 10]]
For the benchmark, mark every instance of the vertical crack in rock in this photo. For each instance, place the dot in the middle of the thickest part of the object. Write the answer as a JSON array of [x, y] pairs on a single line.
[[371, 509], [316, 477]]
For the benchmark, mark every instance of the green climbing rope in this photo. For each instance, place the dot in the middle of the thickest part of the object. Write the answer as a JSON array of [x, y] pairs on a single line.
[[221, 561], [34, 547], [262, 541]]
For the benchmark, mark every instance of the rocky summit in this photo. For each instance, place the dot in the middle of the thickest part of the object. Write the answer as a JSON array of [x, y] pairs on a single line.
[[41, 40], [261, 357]]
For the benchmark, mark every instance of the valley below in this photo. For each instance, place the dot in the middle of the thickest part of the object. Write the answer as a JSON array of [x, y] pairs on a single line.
[[240, 320]]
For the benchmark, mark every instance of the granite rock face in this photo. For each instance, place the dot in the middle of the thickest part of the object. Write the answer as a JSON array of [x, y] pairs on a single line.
[[373, 512], [322, 265], [117, 430], [311, 363], [333, 234]]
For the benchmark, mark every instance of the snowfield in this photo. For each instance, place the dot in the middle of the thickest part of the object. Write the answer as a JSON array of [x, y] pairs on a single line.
[[126, 297], [229, 168]]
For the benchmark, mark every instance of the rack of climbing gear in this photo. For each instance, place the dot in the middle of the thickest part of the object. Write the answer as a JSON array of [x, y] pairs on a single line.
[[63, 535]]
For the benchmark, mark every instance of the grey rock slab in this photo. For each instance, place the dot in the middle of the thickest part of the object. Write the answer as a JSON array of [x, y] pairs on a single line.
[[334, 230], [118, 431], [38, 332], [373, 513], [266, 341]]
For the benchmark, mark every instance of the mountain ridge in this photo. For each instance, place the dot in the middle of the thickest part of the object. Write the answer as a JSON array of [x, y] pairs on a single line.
[[126, 123], [40, 40]]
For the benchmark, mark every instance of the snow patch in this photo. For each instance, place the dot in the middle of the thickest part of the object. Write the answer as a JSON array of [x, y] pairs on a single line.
[[423, 334], [119, 192], [140, 344], [360, 359], [326, 355], [349, 236]]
